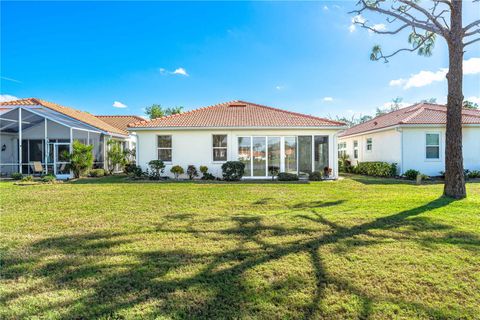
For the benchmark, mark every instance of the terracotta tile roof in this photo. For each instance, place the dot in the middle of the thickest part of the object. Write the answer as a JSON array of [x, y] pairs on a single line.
[[121, 122], [237, 114], [417, 114], [75, 114]]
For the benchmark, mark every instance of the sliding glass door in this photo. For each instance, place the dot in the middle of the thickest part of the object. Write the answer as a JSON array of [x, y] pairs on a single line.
[[290, 151], [321, 153], [259, 156], [274, 153], [245, 153], [305, 154], [293, 154]]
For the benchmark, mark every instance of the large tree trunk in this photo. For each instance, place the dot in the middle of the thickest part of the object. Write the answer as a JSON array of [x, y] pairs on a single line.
[[454, 176]]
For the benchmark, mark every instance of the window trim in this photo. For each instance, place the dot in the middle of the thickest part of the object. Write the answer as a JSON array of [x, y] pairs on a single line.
[[439, 146], [162, 148], [226, 148], [355, 148], [366, 144]]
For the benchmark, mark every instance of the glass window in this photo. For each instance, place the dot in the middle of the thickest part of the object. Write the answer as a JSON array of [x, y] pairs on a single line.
[[273, 153], [355, 149], [219, 147], [291, 154], [369, 144], [433, 146], [305, 154], [164, 148], [259, 157], [245, 153], [36, 150], [320, 152]]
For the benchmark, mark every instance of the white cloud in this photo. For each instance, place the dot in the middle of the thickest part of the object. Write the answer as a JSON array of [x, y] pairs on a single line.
[[118, 104], [180, 71], [7, 97], [421, 79], [471, 66], [424, 78], [474, 99], [357, 19], [327, 99], [325, 7], [378, 27], [279, 87]]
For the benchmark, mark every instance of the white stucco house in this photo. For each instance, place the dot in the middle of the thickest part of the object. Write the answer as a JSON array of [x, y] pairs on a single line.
[[259, 136], [35, 131], [412, 137]]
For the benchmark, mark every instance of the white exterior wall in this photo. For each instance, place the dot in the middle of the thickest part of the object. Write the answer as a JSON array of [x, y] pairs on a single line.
[[194, 146], [414, 150], [386, 146]]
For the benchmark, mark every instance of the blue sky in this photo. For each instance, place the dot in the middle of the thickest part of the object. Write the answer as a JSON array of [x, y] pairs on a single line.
[[304, 57]]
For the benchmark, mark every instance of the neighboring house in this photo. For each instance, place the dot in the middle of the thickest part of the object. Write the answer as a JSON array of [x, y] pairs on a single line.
[[35, 130], [412, 137], [257, 135]]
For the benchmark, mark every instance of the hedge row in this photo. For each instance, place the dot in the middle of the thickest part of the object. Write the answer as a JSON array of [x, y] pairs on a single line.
[[376, 169]]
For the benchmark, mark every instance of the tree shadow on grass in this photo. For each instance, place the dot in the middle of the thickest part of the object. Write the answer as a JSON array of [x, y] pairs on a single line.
[[214, 285]]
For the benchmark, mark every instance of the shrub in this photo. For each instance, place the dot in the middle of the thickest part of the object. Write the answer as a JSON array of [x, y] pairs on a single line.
[[49, 178], [344, 164], [96, 173], [376, 169], [192, 172], [208, 176], [157, 167], [411, 174], [137, 172], [285, 176], [233, 170], [177, 170], [16, 176], [315, 176], [273, 171], [129, 167], [81, 158], [27, 179], [203, 169], [116, 156], [474, 174]]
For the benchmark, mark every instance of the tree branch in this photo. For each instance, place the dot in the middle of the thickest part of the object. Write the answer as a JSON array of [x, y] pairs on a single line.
[[471, 25], [412, 21], [415, 48], [470, 42], [471, 33], [364, 25], [443, 31]]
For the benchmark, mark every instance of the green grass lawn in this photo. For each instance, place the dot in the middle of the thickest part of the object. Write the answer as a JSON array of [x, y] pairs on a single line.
[[356, 248]]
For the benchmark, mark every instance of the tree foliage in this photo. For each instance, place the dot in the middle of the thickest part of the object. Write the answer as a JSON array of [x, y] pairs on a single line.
[[116, 156], [157, 111], [81, 158]]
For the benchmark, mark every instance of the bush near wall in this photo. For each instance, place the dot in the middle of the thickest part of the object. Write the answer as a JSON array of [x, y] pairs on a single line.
[[285, 176], [376, 169]]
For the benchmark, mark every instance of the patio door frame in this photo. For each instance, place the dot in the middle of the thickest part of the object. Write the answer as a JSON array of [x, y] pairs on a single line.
[[55, 159]]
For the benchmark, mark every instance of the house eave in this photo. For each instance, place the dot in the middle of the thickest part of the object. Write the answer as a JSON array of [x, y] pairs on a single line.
[[336, 128], [397, 126]]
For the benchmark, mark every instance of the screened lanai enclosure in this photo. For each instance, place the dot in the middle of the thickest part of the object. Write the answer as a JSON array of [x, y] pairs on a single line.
[[35, 140]]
